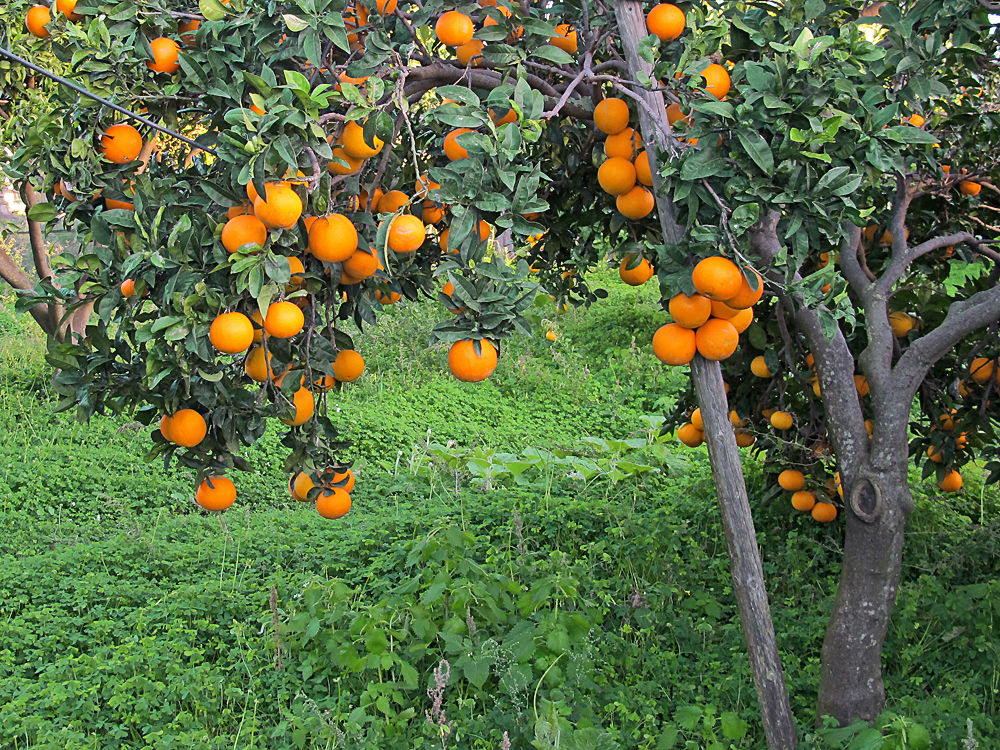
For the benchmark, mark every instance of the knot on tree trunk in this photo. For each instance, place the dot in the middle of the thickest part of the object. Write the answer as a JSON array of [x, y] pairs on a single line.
[[866, 495]]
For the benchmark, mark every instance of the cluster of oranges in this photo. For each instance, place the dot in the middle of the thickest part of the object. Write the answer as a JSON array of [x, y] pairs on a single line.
[[692, 433], [794, 481]]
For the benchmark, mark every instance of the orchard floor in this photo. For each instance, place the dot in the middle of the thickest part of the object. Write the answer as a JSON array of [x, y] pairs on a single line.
[[579, 594]]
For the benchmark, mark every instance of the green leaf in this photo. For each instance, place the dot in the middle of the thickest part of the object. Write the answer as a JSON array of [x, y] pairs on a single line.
[[733, 727], [213, 10], [294, 23], [909, 134], [553, 54], [757, 149], [42, 212]]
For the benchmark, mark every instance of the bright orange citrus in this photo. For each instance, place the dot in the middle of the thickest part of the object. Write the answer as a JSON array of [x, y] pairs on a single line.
[[468, 366], [674, 344]]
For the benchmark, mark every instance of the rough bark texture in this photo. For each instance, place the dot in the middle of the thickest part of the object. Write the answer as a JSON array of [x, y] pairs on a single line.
[[744, 555]]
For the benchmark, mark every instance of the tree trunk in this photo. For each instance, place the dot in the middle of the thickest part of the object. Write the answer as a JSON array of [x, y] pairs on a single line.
[[851, 685], [744, 556]]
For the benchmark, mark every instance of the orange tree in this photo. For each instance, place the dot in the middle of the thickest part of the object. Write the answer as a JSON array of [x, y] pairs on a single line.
[[350, 155]]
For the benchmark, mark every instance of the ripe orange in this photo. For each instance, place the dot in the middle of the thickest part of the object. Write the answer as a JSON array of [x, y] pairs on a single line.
[[295, 270], [392, 202], [469, 52], [343, 162], [624, 143], [62, 188], [121, 144], [824, 512], [406, 233], [258, 326], [861, 385], [305, 406], [722, 310], [508, 117], [362, 264], [112, 203], [915, 120], [742, 320], [717, 278], [674, 114], [348, 366], [333, 238], [333, 503], [744, 438], [791, 480], [454, 28], [430, 212], [717, 339], [611, 115], [165, 423], [616, 175], [127, 288], [636, 203], [781, 420], [283, 320], [164, 56], [341, 476], [749, 294], [245, 208], [215, 493], [565, 38], [690, 435], [758, 366], [452, 148], [967, 187], [982, 370], [901, 323], [36, 19], [390, 298], [386, 7], [231, 333], [803, 500], [448, 290], [666, 21], [935, 455], [952, 482], [468, 366], [696, 419], [281, 209], [243, 230], [717, 80], [187, 428], [674, 344], [642, 272], [299, 485], [642, 171], [187, 31], [353, 139], [690, 311], [258, 365], [66, 7]]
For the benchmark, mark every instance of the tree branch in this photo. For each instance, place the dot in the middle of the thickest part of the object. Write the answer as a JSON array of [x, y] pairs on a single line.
[[13, 275]]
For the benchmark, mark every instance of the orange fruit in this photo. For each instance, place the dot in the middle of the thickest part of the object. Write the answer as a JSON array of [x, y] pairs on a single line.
[[643, 175], [241, 210], [121, 144], [803, 500], [616, 175], [258, 365], [742, 320], [674, 344], [452, 148], [717, 80], [952, 482], [406, 233], [749, 294], [565, 38], [390, 298], [722, 310], [468, 366], [791, 480], [164, 56], [861, 385], [690, 311], [611, 115], [901, 323], [35, 20], [781, 420], [215, 493], [112, 203], [362, 264], [299, 485], [66, 7], [624, 143], [353, 140], [915, 120], [675, 115], [636, 203], [935, 455], [508, 117], [343, 162], [982, 370], [448, 290], [187, 31], [340, 476], [967, 187], [333, 503], [696, 419], [690, 435], [348, 366], [62, 188], [295, 270], [717, 278], [392, 201], [333, 238], [665, 21], [430, 212], [824, 512], [305, 406], [231, 333], [258, 326], [642, 273], [386, 7], [165, 423], [469, 51], [243, 230], [187, 428], [744, 438], [127, 288], [283, 320], [281, 209], [758, 366], [717, 339], [454, 28]]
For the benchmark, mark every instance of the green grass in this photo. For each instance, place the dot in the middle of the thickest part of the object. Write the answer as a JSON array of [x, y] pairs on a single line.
[[600, 607]]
